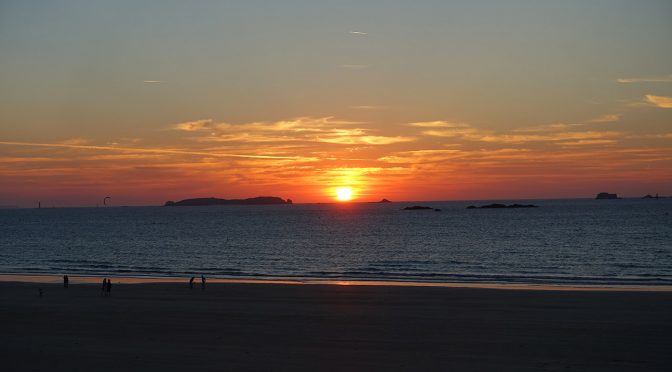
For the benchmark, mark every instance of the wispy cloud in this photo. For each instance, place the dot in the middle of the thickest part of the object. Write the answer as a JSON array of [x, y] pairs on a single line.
[[659, 101], [153, 81], [439, 124], [196, 125], [659, 79], [562, 137], [305, 129], [553, 127], [366, 140], [359, 33], [75, 141], [590, 142], [144, 150], [559, 133], [607, 118]]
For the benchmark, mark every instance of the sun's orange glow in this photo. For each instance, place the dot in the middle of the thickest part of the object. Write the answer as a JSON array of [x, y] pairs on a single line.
[[344, 193]]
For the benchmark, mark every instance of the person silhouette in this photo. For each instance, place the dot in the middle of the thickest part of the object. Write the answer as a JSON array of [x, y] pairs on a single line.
[[109, 287], [66, 281], [191, 283], [104, 287], [202, 282]]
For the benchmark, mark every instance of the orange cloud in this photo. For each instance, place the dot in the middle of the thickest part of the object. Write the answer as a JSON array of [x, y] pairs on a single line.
[[143, 150], [660, 79], [439, 124], [545, 133], [305, 129], [659, 101], [607, 118]]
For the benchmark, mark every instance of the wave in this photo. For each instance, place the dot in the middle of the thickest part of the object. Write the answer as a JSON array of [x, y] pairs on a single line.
[[430, 277]]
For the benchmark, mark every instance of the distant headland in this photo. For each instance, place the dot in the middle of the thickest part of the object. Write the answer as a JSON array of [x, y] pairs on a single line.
[[200, 202]]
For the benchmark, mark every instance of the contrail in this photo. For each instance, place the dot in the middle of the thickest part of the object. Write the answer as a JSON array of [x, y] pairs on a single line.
[[153, 151]]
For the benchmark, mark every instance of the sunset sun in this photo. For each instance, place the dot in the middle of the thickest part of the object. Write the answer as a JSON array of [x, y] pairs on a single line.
[[344, 193]]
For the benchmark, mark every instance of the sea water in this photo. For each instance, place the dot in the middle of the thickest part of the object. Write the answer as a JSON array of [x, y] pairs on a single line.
[[576, 242]]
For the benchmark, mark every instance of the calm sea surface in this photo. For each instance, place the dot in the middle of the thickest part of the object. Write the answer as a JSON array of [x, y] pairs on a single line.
[[612, 242]]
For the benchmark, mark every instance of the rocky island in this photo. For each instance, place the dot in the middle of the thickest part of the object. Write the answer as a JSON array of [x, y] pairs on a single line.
[[199, 202], [420, 208]]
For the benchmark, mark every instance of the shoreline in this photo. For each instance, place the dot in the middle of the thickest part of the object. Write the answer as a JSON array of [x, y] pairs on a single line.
[[88, 279]]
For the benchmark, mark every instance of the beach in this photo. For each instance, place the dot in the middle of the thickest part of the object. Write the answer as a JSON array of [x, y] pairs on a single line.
[[251, 326]]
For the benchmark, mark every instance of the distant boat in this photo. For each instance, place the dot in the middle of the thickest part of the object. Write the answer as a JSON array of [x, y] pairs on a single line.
[[606, 195]]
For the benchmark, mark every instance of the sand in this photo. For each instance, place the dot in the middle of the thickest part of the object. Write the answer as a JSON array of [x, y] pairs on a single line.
[[284, 327]]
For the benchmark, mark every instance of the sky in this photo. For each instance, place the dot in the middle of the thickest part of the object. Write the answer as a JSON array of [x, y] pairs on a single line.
[[149, 101]]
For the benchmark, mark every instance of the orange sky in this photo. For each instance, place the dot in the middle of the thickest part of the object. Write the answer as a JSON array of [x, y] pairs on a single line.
[[306, 159], [429, 101]]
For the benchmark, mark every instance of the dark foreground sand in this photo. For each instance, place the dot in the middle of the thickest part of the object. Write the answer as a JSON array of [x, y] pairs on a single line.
[[167, 327]]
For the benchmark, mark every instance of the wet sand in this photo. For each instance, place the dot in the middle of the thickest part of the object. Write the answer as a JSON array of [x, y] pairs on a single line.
[[243, 326]]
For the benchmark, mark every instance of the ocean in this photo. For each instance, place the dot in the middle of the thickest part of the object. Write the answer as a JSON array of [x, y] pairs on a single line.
[[568, 242]]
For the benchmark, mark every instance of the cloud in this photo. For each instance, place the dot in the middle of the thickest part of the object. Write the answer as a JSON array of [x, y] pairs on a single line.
[[546, 133], [550, 137], [359, 33], [196, 125], [590, 142], [145, 150], [439, 124], [659, 101], [152, 81], [660, 79], [421, 156], [607, 118], [366, 140], [29, 159], [467, 133], [305, 129], [75, 141], [547, 127], [554, 127]]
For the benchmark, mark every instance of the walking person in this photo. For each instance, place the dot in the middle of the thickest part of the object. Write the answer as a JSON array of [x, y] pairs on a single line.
[[66, 281], [109, 287], [202, 282], [104, 287], [191, 283]]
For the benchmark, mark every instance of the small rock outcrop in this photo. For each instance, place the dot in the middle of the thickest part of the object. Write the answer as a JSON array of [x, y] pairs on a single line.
[[417, 208]]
